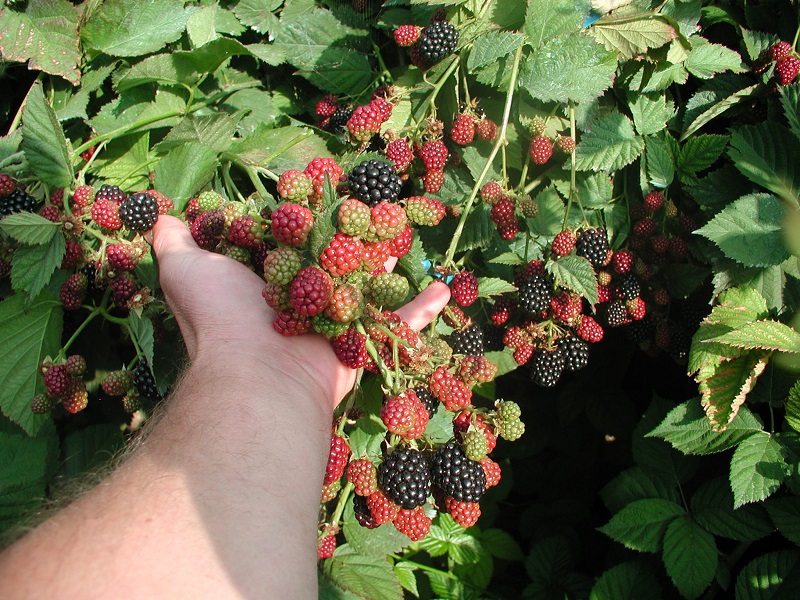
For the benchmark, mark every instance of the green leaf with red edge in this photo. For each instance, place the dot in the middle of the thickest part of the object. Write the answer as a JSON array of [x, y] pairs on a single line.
[[45, 35], [724, 386], [31, 335]]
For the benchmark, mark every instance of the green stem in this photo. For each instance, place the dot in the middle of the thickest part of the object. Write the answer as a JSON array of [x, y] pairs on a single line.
[[388, 379], [437, 87], [80, 328], [501, 139], [231, 188], [343, 496]]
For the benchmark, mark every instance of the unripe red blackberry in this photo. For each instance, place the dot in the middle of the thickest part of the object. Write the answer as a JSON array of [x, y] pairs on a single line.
[[406, 35], [350, 348], [291, 223], [310, 291], [541, 149], [464, 288]]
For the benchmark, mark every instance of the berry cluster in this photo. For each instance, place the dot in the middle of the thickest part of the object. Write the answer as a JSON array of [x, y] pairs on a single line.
[[63, 385]]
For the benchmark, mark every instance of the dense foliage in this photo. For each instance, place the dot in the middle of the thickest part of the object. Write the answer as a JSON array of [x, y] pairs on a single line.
[[611, 190]]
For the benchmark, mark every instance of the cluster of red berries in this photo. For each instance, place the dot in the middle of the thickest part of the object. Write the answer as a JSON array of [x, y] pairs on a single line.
[[407, 486], [785, 59], [542, 146], [508, 212], [63, 385]]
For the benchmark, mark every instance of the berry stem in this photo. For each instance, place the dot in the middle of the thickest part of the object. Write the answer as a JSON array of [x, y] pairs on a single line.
[[233, 191], [796, 36], [423, 108], [343, 496], [501, 140], [387, 376], [80, 176], [81, 327], [524, 175], [573, 182]]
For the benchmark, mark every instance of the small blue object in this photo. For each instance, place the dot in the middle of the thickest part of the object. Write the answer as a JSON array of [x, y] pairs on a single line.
[[591, 18], [428, 266]]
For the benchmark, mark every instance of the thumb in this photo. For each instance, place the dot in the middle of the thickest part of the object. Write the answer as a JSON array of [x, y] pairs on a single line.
[[171, 237]]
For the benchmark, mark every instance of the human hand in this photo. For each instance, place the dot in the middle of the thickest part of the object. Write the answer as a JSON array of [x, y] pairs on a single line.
[[218, 305]]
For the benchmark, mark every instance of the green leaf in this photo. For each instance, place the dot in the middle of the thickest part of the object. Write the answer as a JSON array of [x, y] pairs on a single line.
[[687, 429], [626, 581], [714, 191], [757, 468], [793, 407], [508, 258], [126, 161], [767, 155], [771, 576], [141, 330], [280, 149], [641, 524], [25, 465], [90, 448], [651, 112], [550, 217], [500, 544], [184, 171], [406, 577], [545, 19], [29, 228], [490, 47], [137, 105], [33, 266], [715, 103], [785, 513], [258, 14], [725, 386], [494, 286], [700, 152], [548, 561], [46, 35], [34, 333], [658, 78], [134, 27], [631, 37], [575, 273], [367, 576], [712, 508], [790, 101], [706, 58], [209, 22], [478, 229], [43, 140], [323, 230], [214, 130], [569, 67], [690, 556], [377, 543], [766, 335], [660, 161], [339, 70], [750, 231], [610, 145], [638, 483], [411, 263]]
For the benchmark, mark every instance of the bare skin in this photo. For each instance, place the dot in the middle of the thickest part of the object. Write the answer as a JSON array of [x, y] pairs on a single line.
[[221, 499]]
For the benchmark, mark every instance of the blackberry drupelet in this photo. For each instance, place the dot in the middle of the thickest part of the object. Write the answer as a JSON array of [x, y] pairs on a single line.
[[547, 366], [592, 244], [340, 117], [437, 41], [17, 201], [468, 341], [576, 352], [428, 399], [139, 212], [144, 381], [373, 181], [629, 287], [535, 293], [111, 193], [404, 477], [456, 475]]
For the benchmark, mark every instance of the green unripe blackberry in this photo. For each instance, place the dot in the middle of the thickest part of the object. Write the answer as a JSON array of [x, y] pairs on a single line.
[[328, 327], [475, 445], [404, 477], [511, 430], [507, 410], [209, 200], [388, 289]]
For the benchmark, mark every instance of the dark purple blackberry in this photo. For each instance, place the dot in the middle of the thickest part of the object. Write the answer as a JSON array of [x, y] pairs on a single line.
[[576, 352], [547, 366], [428, 399], [17, 201], [493, 338], [340, 117], [468, 341], [404, 477], [437, 41], [362, 512], [139, 212], [642, 331], [111, 193], [680, 342], [456, 475], [144, 381], [535, 293], [373, 181], [616, 314], [592, 244], [628, 287]]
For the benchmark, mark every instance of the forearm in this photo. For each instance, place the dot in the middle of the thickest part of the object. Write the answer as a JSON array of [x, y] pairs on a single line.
[[221, 498]]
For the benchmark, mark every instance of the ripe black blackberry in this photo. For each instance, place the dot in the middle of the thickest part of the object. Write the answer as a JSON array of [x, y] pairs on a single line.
[[642, 331], [616, 314], [680, 342], [592, 244], [144, 381], [17, 201], [468, 341], [90, 270], [139, 212], [428, 399], [373, 181], [340, 117], [628, 287], [547, 366], [535, 293], [111, 193], [404, 477], [576, 352], [493, 338], [362, 512], [456, 475], [437, 41]]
